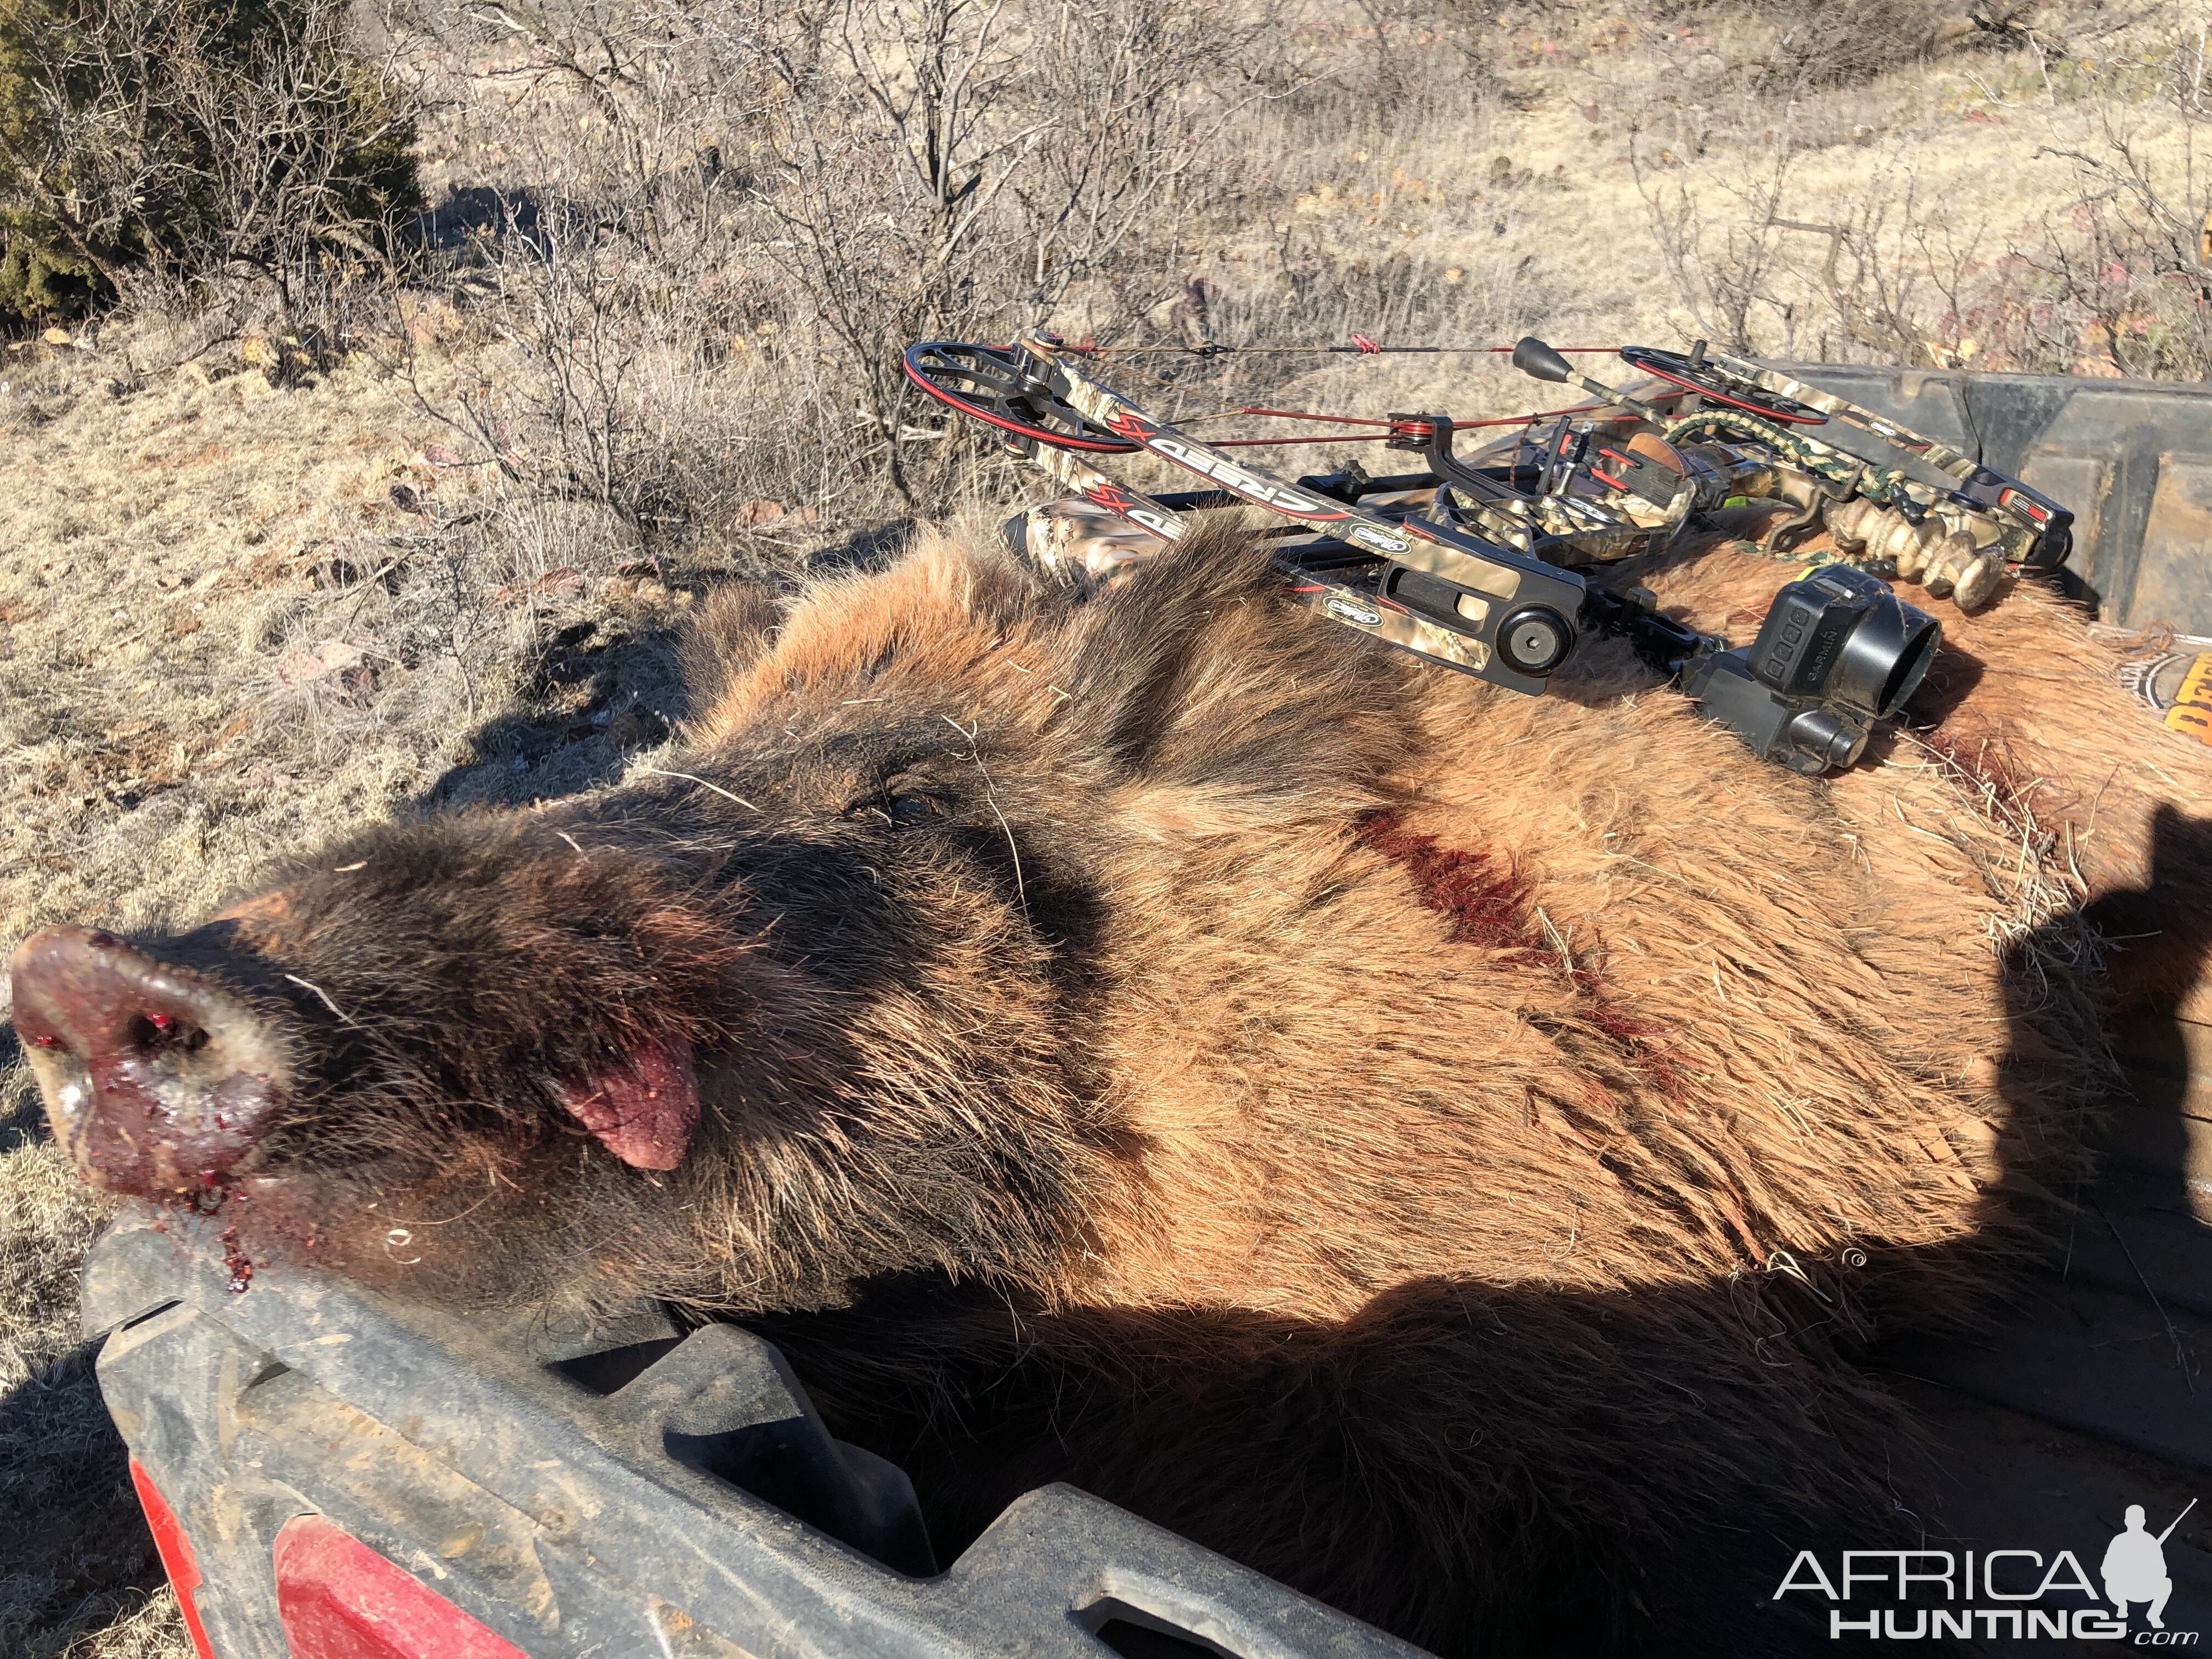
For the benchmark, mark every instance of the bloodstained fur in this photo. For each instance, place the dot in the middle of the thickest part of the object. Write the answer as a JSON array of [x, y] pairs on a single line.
[[1488, 907], [1493, 910]]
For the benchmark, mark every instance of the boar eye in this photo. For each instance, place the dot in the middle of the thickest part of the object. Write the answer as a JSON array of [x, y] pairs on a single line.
[[899, 807], [914, 809]]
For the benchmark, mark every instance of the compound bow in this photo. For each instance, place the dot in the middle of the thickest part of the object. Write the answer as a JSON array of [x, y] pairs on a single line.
[[1480, 562]]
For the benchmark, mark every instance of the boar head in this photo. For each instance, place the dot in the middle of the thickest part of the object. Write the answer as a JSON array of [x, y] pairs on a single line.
[[830, 991]]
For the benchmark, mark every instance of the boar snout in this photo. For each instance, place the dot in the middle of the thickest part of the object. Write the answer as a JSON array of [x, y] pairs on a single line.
[[155, 1081]]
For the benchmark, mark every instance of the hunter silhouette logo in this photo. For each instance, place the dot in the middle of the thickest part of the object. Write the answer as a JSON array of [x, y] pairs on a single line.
[[2135, 1566], [2001, 1595]]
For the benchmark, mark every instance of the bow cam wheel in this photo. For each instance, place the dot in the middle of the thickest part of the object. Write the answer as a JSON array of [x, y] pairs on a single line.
[[989, 383]]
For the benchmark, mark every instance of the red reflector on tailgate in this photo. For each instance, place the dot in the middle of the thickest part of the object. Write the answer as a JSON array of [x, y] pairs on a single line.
[[340, 1599], [176, 1551]]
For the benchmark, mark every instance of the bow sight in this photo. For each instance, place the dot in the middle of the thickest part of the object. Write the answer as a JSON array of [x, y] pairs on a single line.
[[1486, 563]]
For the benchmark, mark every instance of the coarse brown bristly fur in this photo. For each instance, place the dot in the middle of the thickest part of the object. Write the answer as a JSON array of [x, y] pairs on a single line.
[[1444, 1148]]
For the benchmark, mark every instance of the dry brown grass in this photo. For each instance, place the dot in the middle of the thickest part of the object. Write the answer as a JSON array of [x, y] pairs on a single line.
[[433, 552]]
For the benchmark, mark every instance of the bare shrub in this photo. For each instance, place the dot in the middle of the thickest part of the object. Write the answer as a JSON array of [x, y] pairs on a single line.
[[191, 140], [2112, 278], [708, 321], [1414, 51], [2130, 275], [1722, 265], [1826, 43], [1779, 50]]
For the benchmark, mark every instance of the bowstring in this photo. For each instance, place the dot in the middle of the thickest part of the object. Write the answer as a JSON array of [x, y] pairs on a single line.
[[1222, 411]]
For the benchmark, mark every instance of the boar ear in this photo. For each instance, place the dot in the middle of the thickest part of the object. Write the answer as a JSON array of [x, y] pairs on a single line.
[[726, 637], [1203, 671], [642, 1108]]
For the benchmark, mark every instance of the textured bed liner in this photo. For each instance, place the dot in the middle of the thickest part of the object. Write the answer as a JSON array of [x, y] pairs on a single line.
[[2091, 1395]]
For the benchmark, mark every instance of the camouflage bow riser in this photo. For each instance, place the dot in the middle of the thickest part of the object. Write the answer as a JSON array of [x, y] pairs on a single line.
[[1596, 518], [1944, 521]]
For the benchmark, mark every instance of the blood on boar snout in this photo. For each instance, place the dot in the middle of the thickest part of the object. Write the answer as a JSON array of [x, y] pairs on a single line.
[[444, 992], [158, 1081]]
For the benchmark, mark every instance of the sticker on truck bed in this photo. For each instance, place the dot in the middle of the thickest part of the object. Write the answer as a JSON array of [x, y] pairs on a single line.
[[2176, 680], [2192, 703]]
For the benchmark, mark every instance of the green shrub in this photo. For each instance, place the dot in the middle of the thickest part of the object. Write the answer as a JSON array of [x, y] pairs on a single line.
[[194, 137]]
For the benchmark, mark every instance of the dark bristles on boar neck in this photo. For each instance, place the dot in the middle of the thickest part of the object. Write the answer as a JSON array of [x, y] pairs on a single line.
[[1169, 1043]]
